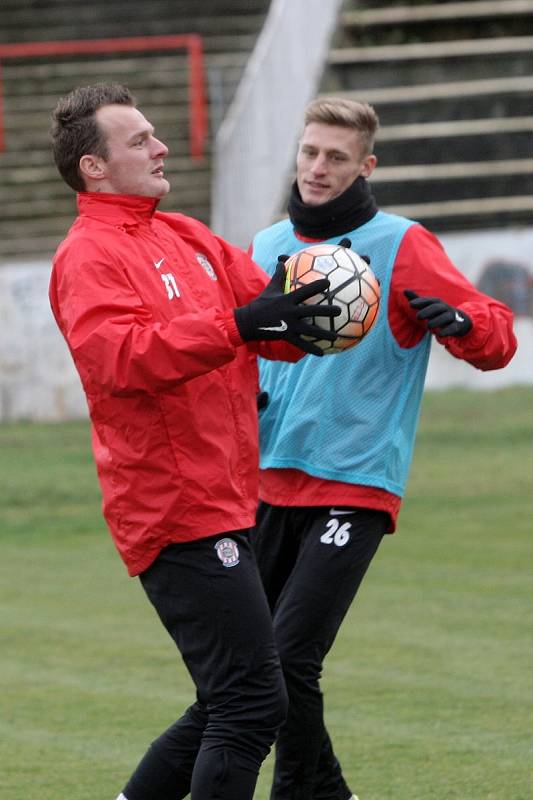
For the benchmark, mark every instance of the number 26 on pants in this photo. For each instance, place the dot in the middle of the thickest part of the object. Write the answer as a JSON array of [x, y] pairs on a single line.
[[336, 533]]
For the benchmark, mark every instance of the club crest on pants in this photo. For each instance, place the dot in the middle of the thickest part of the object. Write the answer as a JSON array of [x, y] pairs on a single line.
[[228, 552]]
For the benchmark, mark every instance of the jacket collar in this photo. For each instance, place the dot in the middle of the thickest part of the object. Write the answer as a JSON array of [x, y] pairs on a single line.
[[117, 209]]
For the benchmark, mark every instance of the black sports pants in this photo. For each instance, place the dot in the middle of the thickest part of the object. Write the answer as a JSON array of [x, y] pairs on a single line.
[[312, 561], [209, 597]]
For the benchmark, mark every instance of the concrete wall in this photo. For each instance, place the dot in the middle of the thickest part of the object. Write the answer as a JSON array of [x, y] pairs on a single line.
[[39, 382], [37, 378], [283, 74]]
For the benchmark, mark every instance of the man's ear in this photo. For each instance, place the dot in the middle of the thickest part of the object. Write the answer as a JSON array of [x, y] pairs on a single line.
[[369, 165], [92, 167]]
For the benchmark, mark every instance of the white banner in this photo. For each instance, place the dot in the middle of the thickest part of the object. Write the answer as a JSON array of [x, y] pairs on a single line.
[[499, 263]]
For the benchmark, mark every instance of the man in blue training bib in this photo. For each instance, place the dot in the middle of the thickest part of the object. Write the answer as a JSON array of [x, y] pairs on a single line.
[[337, 433]]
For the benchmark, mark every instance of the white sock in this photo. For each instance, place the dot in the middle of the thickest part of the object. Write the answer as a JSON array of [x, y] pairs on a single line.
[[122, 797]]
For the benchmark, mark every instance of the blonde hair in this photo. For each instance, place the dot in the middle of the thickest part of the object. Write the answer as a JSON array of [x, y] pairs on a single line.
[[361, 117]]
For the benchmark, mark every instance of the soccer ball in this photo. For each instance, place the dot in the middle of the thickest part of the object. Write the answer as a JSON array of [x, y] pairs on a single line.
[[353, 287]]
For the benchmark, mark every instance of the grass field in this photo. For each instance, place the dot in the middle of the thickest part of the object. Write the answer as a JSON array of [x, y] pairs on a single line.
[[428, 688]]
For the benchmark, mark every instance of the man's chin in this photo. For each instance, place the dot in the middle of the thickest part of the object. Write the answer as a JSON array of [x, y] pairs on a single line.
[[155, 190], [315, 199], [163, 188]]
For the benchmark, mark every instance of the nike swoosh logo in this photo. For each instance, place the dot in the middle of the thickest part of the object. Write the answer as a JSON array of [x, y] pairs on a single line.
[[281, 327], [336, 512], [157, 264], [458, 317]]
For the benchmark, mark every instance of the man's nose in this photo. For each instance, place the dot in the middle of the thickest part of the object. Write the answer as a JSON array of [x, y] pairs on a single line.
[[319, 165], [159, 149]]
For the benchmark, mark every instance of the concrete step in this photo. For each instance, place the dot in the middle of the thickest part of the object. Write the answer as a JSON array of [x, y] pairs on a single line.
[[466, 99], [435, 12], [430, 62], [423, 51], [86, 25], [442, 172], [212, 43], [469, 140], [23, 77], [431, 22], [470, 214], [455, 128], [161, 8], [424, 183], [23, 22]]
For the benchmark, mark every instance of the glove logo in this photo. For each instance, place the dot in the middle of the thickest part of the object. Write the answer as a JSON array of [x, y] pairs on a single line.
[[442, 319], [281, 327], [228, 552]]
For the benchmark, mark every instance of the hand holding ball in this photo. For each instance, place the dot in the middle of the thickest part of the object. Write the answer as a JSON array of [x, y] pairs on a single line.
[[353, 287]]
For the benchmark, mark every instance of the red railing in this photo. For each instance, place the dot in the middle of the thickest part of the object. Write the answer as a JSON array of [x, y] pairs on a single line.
[[192, 43]]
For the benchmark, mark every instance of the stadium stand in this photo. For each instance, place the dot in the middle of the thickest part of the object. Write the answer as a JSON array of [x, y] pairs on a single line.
[[36, 206], [452, 84], [451, 81]]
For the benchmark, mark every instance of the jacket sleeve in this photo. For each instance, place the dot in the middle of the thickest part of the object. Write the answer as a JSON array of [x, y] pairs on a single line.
[[248, 280], [115, 342], [423, 266]]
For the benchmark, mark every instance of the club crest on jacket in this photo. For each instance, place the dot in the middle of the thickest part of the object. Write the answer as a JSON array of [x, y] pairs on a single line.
[[205, 263]]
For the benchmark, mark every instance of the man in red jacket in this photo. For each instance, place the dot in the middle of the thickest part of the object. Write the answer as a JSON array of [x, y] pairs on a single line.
[[160, 316]]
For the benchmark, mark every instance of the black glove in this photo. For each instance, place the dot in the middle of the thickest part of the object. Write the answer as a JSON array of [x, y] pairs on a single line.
[[443, 319], [262, 400], [276, 315]]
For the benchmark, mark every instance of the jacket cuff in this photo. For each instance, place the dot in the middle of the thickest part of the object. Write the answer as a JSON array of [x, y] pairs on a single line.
[[230, 326]]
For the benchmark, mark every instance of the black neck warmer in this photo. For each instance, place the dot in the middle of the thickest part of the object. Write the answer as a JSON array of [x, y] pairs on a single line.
[[344, 213]]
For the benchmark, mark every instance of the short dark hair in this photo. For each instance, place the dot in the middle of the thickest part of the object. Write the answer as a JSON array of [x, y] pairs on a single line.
[[75, 131]]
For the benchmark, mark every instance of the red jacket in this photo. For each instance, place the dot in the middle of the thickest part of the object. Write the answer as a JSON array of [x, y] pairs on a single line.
[[145, 302]]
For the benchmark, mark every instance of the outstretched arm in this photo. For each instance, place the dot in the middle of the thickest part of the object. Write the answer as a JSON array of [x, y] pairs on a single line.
[[471, 325]]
